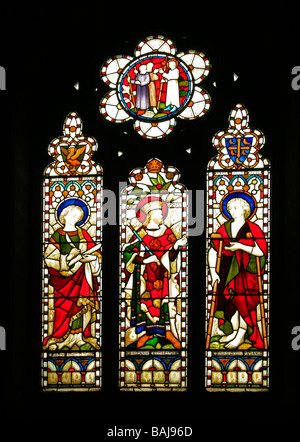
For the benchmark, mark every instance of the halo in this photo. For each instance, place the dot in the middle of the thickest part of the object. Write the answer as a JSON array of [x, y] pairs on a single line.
[[73, 202], [141, 215], [173, 59], [238, 194]]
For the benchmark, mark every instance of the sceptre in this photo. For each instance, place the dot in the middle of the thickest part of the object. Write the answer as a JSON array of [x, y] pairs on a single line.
[[127, 223]]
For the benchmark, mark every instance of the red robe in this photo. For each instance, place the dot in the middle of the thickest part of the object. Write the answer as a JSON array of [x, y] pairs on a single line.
[[69, 291], [156, 276], [157, 283], [238, 288]]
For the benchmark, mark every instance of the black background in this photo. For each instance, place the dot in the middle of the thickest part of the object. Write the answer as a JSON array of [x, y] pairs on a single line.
[[45, 51]]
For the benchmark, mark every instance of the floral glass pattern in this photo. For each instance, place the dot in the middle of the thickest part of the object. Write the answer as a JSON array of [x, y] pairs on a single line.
[[238, 259], [153, 272], [71, 270], [155, 86]]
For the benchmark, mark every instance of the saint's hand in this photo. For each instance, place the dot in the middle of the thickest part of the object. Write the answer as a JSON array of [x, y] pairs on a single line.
[[233, 247], [73, 254], [215, 278], [150, 259], [181, 242], [88, 258]]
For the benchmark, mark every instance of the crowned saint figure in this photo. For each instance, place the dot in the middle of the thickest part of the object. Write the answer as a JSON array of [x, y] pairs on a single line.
[[152, 263]]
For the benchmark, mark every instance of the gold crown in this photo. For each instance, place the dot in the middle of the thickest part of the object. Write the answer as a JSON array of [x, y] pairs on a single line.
[[154, 165]]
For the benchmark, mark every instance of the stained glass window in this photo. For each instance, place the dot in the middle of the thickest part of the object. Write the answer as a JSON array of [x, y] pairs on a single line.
[[238, 261], [71, 325], [155, 87], [153, 272]]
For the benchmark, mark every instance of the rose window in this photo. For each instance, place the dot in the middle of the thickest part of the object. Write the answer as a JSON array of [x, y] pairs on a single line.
[[155, 86]]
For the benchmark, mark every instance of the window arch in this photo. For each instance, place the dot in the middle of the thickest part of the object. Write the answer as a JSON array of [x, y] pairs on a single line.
[[153, 275], [238, 259], [186, 147], [72, 235]]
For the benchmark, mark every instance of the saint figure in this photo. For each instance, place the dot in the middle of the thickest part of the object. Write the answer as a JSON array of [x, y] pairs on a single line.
[[152, 276], [237, 317], [74, 261], [152, 88], [142, 80], [172, 77]]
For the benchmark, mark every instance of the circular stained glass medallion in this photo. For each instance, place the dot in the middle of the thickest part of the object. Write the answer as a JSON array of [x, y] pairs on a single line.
[[155, 87]]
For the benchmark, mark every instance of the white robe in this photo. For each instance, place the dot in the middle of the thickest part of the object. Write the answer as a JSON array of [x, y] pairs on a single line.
[[172, 87]]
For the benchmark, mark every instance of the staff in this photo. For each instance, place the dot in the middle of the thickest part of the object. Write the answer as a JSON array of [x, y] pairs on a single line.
[[213, 302]]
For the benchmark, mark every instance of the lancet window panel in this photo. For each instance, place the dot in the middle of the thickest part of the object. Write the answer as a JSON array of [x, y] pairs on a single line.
[[71, 264], [153, 280], [238, 259]]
